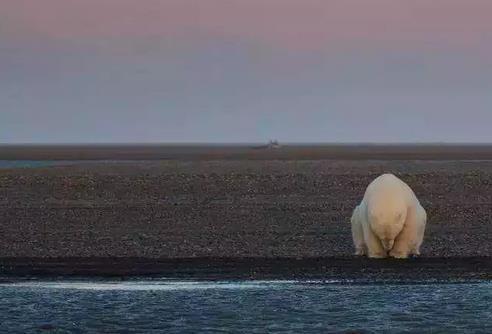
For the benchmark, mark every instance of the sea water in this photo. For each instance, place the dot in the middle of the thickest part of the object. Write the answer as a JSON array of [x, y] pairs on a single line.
[[163, 306]]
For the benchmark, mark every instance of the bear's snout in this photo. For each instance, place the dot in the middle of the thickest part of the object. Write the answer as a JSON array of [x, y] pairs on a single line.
[[387, 244]]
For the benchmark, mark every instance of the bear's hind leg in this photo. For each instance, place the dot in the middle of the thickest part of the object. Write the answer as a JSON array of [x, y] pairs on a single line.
[[357, 233], [420, 222], [415, 251], [360, 250]]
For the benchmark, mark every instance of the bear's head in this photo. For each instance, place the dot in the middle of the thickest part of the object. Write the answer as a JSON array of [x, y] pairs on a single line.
[[387, 220]]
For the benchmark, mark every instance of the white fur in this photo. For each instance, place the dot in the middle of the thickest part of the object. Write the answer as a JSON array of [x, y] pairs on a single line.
[[389, 220]]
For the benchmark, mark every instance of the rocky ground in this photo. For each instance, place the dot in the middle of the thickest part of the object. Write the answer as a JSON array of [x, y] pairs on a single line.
[[179, 209], [234, 218]]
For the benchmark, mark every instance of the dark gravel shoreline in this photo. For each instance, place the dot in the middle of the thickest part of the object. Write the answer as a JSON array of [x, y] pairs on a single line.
[[228, 209], [340, 270]]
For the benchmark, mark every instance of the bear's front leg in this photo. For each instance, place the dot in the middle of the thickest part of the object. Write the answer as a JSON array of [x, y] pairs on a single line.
[[407, 241], [403, 242], [398, 254]]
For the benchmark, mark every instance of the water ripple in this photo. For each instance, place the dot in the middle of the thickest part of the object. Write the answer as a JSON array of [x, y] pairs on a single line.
[[157, 306]]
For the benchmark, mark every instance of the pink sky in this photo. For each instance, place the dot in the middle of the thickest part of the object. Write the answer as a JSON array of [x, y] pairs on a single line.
[[245, 70], [294, 24]]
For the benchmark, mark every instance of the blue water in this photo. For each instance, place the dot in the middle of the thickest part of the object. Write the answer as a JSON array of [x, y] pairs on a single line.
[[243, 307], [28, 163]]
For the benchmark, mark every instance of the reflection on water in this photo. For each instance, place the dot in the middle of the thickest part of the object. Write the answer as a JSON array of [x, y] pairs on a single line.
[[152, 285], [249, 306]]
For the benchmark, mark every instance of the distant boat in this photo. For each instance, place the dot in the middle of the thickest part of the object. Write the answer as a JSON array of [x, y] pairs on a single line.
[[272, 144]]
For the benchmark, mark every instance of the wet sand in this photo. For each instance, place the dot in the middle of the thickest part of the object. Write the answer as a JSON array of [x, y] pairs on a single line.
[[275, 214]]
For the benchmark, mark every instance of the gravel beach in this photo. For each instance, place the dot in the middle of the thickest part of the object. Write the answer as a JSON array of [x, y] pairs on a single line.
[[234, 209]]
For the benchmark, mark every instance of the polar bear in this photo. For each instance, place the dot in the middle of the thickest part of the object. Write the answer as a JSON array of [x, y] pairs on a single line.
[[389, 220]]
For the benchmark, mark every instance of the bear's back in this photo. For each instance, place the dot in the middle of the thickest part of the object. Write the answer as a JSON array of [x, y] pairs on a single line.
[[389, 191]]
